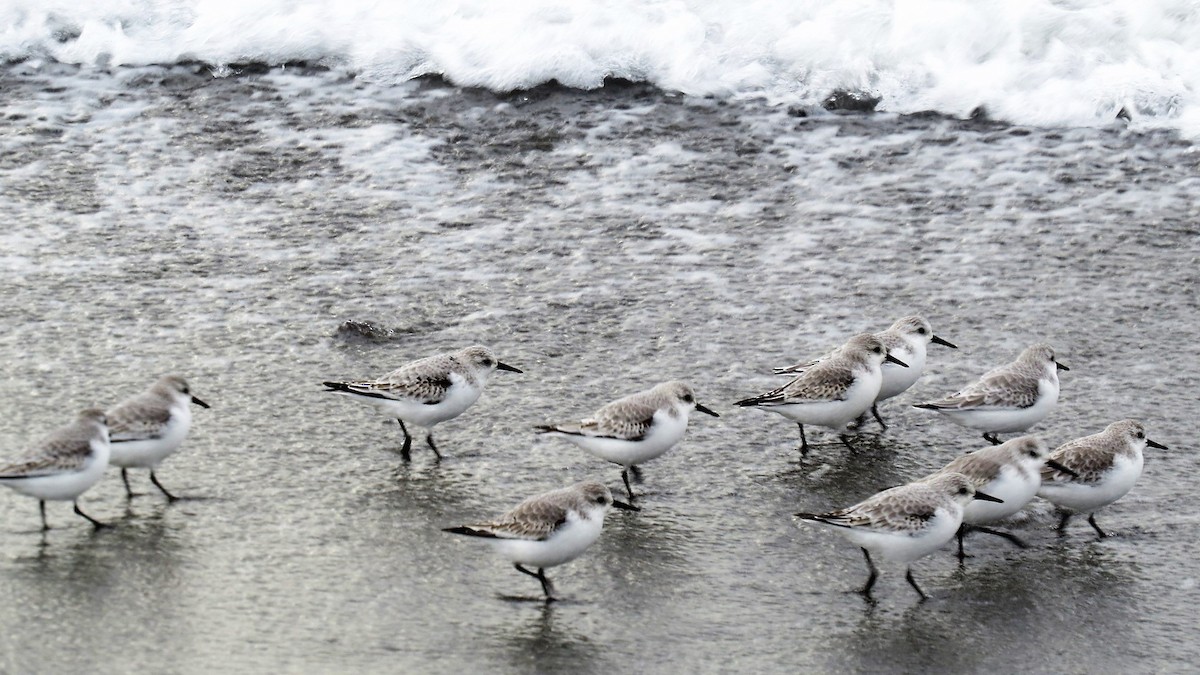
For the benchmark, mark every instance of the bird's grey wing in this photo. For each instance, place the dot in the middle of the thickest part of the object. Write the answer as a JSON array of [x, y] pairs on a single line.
[[64, 450], [826, 381], [628, 419], [1083, 457], [533, 519], [908, 510], [139, 418], [980, 468], [1000, 388]]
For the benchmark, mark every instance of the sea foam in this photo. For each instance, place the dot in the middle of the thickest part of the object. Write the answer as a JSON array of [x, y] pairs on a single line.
[[1037, 62]]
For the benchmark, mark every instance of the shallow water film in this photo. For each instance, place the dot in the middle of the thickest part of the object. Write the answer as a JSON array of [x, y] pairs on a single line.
[[263, 232]]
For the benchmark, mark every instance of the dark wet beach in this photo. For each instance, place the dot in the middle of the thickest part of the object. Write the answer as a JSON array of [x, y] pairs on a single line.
[[163, 220]]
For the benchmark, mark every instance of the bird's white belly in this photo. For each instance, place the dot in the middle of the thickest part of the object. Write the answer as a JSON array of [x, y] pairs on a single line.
[[834, 414], [1007, 420], [566, 544], [1085, 498], [896, 379], [904, 547], [459, 397], [666, 431], [65, 486], [1014, 488], [149, 452]]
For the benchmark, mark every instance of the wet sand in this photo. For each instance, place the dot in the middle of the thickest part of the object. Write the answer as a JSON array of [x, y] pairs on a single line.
[[163, 220]]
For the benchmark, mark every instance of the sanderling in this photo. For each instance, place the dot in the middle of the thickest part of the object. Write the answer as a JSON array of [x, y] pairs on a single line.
[[1010, 398], [145, 429], [1103, 467], [427, 391], [905, 523], [906, 340], [634, 429], [64, 464], [833, 392], [1011, 472], [549, 529]]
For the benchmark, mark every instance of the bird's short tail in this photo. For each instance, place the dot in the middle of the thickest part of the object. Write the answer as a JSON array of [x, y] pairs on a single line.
[[337, 386], [469, 531], [926, 406]]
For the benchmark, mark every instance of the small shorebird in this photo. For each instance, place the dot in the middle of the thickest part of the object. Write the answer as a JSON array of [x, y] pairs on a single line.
[[1010, 398], [634, 429], [834, 392], [63, 465], [428, 391], [549, 529]]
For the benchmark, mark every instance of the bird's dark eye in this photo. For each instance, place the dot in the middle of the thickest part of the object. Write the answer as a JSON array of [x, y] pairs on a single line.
[[1033, 454], [487, 362], [922, 330], [1141, 435], [878, 350], [962, 491], [688, 398], [601, 500]]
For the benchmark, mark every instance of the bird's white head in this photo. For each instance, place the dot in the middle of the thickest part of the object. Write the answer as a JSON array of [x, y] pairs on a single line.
[[1029, 451], [175, 387], [1133, 434], [93, 416], [483, 361], [868, 349], [683, 397], [593, 500], [1042, 354], [916, 329], [958, 488]]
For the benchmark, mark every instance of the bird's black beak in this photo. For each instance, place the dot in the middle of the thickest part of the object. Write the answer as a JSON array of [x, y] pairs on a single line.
[[505, 366], [945, 343], [1060, 366], [1059, 466], [706, 411], [1152, 444], [623, 506], [200, 403], [895, 360], [987, 498]]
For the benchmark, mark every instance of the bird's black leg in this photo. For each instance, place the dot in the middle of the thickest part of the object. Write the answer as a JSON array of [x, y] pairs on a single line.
[[154, 479], [1092, 522], [913, 582], [846, 442], [1062, 523], [406, 449], [429, 440], [962, 533], [547, 587], [625, 477], [636, 472], [991, 437], [95, 523], [125, 479], [878, 418], [540, 575], [866, 590], [1016, 541], [803, 441], [42, 507]]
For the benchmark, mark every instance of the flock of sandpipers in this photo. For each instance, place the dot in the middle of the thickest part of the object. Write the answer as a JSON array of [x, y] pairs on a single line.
[[835, 391]]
